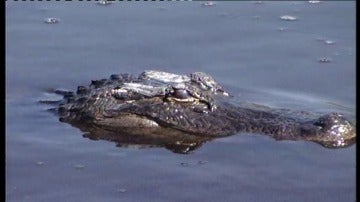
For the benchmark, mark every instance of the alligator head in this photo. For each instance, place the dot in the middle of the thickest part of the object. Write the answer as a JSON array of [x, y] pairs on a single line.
[[156, 104]]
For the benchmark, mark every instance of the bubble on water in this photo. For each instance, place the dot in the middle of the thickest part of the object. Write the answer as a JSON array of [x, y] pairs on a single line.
[[104, 2], [314, 2], [52, 20], [209, 3], [288, 18], [258, 2]]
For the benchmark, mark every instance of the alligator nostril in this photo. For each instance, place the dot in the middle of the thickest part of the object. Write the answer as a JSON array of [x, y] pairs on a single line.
[[81, 90], [329, 120], [319, 124]]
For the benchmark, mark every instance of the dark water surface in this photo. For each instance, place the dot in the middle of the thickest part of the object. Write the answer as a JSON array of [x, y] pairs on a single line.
[[244, 45]]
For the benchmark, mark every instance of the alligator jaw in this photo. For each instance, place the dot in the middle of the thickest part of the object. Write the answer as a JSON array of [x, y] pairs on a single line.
[[126, 121]]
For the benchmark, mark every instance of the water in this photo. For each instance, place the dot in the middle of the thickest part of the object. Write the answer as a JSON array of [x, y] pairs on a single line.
[[245, 46]]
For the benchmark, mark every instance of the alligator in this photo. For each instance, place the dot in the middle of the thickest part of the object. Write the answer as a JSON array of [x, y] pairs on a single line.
[[181, 112]]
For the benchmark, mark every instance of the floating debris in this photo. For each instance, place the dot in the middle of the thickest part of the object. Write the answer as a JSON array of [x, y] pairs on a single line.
[[104, 2], [329, 42], [202, 162], [288, 18], [40, 163], [325, 60], [52, 20], [256, 17], [185, 164], [326, 41], [193, 164], [258, 2], [122, 190], [209, 3], [314, 2], [79, 166], [282, 29]]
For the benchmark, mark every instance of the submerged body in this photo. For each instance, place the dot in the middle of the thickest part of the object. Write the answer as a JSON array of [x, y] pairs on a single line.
[[193, 106]]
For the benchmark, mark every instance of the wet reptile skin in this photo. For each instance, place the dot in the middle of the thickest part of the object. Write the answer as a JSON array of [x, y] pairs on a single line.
[[181, 108]]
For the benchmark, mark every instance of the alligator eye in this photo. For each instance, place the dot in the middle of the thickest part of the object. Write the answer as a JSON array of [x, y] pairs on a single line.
[[181, 94]]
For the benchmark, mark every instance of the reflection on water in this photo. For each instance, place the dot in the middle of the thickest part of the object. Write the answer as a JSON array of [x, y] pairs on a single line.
[[172, 140]]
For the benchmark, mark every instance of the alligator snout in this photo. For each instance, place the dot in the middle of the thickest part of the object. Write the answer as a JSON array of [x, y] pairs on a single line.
[[334, 130]]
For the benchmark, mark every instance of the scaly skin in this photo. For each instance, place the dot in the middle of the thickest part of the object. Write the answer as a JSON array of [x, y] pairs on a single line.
[[195, 106]]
